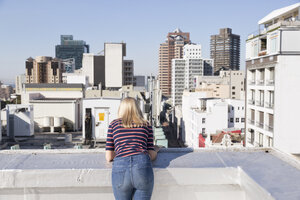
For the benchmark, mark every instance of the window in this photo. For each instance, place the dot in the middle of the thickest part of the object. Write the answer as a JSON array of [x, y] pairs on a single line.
[[233, 93], [237, 120], [233, 87], [232, 108], [203, 120], [261, 136], [203, 130], [242, 119], [231, 120]]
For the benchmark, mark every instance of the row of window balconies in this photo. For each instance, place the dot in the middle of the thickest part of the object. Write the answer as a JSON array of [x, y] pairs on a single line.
[[261, 103], [261, 125], [262, 82]]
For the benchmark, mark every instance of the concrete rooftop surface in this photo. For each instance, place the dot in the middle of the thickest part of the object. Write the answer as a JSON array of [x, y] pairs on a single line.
[[179, 174]]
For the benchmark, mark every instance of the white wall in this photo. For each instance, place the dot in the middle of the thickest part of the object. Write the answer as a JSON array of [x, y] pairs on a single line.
[[66, 109], [110, 103], [113, 64], [286, 107], [88, 67]]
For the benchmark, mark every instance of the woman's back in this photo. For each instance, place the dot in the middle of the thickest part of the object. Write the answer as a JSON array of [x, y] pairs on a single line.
[[129, 141]]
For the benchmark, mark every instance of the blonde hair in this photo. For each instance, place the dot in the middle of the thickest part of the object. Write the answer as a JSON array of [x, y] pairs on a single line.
[[131, 114]]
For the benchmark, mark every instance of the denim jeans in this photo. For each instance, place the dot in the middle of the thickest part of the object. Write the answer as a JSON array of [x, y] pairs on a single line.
[[132, 177]]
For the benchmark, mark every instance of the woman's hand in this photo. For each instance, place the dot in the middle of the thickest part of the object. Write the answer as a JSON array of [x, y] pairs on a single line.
[[109, 155]]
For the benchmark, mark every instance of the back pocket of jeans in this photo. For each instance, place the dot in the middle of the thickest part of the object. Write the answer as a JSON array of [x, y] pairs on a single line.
[[118, 176]]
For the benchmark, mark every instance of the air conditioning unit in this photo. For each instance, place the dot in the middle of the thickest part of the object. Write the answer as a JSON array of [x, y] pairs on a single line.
[[20, 120]]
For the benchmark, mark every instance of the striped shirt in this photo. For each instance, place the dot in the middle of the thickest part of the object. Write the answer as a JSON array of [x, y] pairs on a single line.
[[128, 141]]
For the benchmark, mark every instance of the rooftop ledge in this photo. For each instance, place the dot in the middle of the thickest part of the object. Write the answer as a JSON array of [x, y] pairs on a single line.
[[273, 27], [234, 173]]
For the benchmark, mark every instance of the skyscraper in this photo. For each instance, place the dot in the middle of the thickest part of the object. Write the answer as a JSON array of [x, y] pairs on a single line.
[[225, 50], [170, 49], [70, 48]]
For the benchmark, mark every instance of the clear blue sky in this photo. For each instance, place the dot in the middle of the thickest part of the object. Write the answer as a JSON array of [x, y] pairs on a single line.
[[33, 27]]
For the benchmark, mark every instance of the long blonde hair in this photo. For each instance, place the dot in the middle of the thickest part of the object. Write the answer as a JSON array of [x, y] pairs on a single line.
[[131, 114]]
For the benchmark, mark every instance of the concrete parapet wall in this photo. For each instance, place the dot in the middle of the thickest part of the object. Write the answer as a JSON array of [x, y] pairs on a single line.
[[170, 183]]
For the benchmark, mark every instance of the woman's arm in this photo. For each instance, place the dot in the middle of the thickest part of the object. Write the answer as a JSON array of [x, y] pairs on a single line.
[[109, 155]]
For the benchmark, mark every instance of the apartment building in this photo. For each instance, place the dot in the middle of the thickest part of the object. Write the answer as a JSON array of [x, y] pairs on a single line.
[[208, 116], [185, 69], [43, 69], [272, 62], [20, 81], [228, 84], [172, 48], [225, 50], [128, 72]]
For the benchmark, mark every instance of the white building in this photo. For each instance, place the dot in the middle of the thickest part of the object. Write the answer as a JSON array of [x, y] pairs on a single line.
[[229, 84], [114, 53], [20, 80], [272, 62], [184, 70], [75, 78], [202, 115], [93, 66]]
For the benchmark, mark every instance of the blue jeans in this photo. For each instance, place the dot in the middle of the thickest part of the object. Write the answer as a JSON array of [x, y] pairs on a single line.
[[132, 177]]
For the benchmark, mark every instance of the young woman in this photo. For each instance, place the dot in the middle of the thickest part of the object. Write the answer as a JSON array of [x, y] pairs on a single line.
[[130, 145]]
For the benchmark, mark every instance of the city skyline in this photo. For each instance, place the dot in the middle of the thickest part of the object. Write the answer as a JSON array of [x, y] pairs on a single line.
[[138, 24]]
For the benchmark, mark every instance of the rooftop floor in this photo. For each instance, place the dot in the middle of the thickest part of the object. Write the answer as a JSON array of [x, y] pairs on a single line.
[[277, 173]]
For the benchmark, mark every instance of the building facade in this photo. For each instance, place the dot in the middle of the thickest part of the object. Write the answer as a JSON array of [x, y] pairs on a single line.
[[172, 48], [93, 67], [225, 50], [20, 81], [229, 84], [70, 48], [184, 70], [209, 116], [114, 59], [43, 69], [128, 72], [272, 62]]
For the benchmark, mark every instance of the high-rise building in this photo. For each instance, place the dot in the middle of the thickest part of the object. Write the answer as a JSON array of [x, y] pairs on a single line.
[[272, 63], [185, 69], [128, 72], [44, 69], [70, 48], [225, 50], [114, 59], [170, 49]]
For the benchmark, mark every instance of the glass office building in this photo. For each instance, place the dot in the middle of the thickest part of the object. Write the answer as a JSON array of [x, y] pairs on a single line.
[[70, 48]]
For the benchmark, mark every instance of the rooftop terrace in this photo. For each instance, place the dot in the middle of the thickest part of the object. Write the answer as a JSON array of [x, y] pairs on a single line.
[[179, 174]]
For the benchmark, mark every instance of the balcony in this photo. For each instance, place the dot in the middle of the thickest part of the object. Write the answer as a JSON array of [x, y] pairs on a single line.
[[269, 128], [260, 124], [269, 105], [251, 121], [270, 82], [251, 82], [260, 82], [259, 103], [251, 101]]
